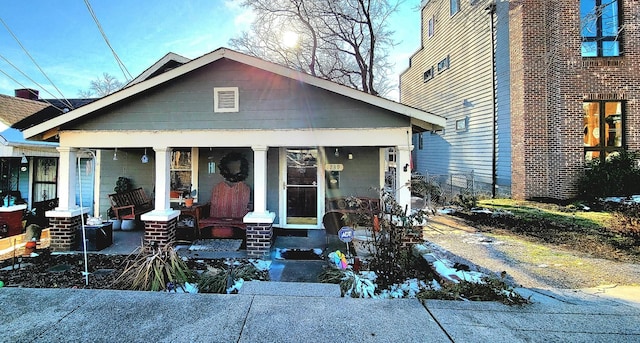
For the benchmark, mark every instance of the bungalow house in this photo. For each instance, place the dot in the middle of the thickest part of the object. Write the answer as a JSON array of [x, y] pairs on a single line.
[[296, 140]]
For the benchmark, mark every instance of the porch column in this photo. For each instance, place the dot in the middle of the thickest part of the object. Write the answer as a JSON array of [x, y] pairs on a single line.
[[67, 178], [260, 221], [163, 175], [65, 220], [403, 176], [160, 224]]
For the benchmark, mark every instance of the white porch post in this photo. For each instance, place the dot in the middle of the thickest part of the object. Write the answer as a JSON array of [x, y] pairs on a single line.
[[260, 213], [163, 185], [403, 176], [67, 179]]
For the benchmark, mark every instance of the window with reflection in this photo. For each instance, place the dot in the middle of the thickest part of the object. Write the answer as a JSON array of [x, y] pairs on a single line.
[[600, 28], [603, 128]]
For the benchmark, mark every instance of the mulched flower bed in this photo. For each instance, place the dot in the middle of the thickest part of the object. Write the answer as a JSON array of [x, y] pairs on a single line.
[[66, 270]]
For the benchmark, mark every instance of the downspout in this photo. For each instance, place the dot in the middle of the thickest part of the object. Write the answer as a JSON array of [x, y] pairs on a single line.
[[494, 144]]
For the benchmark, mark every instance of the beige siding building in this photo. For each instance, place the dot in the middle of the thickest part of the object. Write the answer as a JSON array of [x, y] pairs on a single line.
[[533, 90]]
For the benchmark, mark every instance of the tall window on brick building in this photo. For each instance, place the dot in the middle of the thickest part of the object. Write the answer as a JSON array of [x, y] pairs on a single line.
[[603, 128], [600, 27]]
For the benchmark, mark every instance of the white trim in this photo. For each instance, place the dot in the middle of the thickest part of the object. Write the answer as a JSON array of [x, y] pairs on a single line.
[[236, 138], [160, 215], [156, 66], [204, 60]]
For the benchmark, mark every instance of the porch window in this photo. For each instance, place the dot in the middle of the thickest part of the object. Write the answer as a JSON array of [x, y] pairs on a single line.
[[603, 128], [225, 99], [600, 28], [45, 179], [183, 172]]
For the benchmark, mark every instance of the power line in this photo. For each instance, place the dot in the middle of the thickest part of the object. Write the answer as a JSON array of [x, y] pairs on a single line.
[[25, 75], [34, 62], [121, 65], [23, 86]]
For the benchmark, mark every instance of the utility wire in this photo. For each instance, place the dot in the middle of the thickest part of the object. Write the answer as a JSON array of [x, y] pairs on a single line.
[[123, 68], [23, 86], [64, 99], [27, 76]]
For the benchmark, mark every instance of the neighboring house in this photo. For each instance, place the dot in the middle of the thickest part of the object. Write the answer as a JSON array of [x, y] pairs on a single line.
[[531, 90], [22, 165], [306, 141]]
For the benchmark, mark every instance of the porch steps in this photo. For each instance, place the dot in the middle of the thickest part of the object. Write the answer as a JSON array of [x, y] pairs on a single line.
[[298, 289]]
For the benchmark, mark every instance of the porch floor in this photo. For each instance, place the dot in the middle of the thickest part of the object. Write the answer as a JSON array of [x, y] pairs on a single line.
[[127, 242]]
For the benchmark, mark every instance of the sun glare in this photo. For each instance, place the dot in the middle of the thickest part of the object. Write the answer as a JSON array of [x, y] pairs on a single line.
[[290, 39]]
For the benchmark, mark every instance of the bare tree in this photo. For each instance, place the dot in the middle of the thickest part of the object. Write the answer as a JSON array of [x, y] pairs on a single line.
[[102, 86], [345, 41]]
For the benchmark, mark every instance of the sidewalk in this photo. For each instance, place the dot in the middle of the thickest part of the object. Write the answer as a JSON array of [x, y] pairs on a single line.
[[68, 315]]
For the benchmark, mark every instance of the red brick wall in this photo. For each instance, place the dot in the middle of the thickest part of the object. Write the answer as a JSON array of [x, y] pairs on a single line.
[[259, 240], [549, 81], [63, 232], [159, 234]]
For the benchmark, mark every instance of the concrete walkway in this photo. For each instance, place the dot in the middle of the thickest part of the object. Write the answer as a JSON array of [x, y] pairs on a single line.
[[68, 315]]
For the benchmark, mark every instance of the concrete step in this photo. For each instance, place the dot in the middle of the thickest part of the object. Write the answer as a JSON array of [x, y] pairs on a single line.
[[299, 289]]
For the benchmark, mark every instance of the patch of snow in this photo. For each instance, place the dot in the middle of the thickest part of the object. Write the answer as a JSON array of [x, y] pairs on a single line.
[[236, 286], [447, 211], [260, 265]]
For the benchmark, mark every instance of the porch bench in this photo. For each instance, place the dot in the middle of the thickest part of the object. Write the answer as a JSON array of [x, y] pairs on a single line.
[[227, 207], [130, 204]]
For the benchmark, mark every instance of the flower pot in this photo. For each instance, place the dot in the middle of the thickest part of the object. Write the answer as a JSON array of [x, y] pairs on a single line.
[[116, 224], [188, 202], [128, 225]]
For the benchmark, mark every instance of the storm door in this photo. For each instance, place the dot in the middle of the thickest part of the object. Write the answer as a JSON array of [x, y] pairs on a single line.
[[301, 204]]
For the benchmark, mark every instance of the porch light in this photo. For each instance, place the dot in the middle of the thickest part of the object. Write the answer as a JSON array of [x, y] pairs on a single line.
[[24, 159], [350, 156], [337, 153], [144, 158], [115, 155]]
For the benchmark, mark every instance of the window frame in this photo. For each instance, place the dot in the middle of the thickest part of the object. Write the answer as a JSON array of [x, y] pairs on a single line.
[[602, 148], [431, 26], [444, 64], [428, 74], [454, 7], [599, 38], [216, 101]]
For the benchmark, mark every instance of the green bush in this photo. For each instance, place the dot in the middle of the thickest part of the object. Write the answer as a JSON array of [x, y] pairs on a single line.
[[619, 175]]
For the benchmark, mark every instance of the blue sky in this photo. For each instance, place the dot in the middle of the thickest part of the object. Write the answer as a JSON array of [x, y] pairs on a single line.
[[63, 39]]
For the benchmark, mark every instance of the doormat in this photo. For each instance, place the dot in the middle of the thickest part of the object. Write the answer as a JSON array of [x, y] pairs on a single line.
[[216, 245], [298, 254]]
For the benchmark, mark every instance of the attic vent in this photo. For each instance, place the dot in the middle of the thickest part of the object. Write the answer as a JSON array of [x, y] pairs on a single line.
[[225, 99]]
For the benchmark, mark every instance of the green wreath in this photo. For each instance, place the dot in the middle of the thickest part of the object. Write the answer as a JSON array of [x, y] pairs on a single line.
[[234, 167]]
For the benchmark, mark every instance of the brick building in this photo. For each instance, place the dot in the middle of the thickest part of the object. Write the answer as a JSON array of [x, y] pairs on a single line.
[[532, 90]]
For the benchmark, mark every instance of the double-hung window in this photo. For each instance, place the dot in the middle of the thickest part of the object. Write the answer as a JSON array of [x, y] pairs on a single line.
[[603, 128], [600, 28]]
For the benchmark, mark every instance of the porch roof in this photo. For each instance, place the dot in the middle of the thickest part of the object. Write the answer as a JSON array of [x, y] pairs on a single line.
[[150, 78]]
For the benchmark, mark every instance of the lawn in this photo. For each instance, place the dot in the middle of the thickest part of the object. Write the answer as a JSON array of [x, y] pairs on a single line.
[[567, 226]]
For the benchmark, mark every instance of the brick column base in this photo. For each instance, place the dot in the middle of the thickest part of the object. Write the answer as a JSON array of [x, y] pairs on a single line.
[[159, 234], [413, 237], [259, 237], [63, 232]]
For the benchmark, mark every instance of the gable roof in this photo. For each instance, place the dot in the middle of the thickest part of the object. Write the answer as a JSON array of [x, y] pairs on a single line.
[[166, 63], [14, 109], [422, 119]]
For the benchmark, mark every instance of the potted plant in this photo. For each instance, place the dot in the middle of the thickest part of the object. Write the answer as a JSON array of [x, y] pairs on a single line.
[[188, 197], [123, 184]]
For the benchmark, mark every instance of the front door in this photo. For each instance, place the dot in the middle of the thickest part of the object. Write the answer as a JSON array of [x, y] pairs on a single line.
[[302, 194]]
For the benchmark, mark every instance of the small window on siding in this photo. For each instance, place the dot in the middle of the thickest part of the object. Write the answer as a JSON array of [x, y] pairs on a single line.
[[454, 6], [427, 75], [444, 64], [225, 99], [462, 125], [430, 26]]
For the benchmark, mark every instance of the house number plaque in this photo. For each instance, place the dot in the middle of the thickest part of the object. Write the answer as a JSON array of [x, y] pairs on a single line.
[[333, 167]]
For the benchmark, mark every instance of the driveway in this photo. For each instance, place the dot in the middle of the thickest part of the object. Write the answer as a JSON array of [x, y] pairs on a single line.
[[527, 264]]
